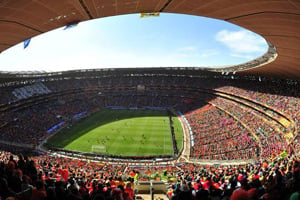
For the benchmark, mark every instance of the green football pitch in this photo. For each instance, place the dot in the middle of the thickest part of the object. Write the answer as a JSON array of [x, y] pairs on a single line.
[[121, 132]]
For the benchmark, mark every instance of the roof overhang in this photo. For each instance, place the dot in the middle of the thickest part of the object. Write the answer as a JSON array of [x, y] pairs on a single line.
[[278, 21]]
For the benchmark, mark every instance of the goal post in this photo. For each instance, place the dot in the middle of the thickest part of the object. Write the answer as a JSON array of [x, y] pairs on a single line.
[[98, 149]]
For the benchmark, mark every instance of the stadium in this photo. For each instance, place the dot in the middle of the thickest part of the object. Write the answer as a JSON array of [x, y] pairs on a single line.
[[153, 133]]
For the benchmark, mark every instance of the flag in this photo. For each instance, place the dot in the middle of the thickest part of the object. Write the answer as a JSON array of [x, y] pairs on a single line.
[[152, 14], [283, 154], [71, 25], [136, 176], [26, 43]]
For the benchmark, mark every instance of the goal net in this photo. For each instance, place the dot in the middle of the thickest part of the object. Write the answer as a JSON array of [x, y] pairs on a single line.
[[99, 149]]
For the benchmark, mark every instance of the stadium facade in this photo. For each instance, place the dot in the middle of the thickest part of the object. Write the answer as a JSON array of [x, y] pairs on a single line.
[[229, 115]]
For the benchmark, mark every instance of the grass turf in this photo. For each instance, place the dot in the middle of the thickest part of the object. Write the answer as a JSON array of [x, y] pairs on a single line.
[[122, 132]]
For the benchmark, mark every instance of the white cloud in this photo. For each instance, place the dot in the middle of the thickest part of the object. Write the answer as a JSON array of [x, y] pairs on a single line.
[[242, 41]]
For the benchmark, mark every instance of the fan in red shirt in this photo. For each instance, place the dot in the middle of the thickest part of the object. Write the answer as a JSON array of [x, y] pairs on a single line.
[[128, 192], [39, 193], [207, 183]]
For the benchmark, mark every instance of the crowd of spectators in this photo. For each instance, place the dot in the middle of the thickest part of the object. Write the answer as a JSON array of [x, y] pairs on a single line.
[[217, 136], [50, 177], [282, 97], [272, 142], [29, 123], [229, 130]]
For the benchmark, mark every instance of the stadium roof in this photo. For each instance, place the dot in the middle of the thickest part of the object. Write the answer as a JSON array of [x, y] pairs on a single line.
[[278, 21]]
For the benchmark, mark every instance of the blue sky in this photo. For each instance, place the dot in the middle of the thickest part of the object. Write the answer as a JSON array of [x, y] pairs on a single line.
[[170, 40]]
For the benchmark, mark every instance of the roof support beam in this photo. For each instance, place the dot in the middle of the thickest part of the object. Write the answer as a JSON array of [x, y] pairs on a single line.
[[85, 9]]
